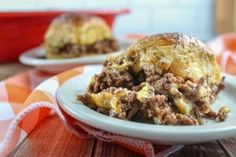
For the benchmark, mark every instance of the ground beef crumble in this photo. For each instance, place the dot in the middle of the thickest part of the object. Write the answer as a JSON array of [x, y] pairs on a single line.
[[111, 79]]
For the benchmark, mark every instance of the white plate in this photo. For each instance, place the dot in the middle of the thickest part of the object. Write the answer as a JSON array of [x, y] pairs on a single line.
[[36, 57], [66, 96]]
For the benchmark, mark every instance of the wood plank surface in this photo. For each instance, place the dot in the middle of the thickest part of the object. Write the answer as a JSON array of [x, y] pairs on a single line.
[[229, 146], [211, 149], [9, 69], [225, 16], [105, 149], [51, 139]]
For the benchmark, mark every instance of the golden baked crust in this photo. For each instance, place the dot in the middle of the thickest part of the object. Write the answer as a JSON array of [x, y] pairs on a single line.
[[169, 78], [182, 55], [75, 29]]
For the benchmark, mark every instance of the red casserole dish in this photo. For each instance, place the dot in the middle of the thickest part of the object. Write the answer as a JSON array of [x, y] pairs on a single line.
[[23, 30]]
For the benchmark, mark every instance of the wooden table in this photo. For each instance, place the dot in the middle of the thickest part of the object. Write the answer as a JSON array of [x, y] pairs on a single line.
[[50, 138]]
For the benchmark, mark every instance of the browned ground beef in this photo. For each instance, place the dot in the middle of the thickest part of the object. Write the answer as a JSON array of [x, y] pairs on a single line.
[[111, 79], [165, 112], [161, 108], [99, 47]]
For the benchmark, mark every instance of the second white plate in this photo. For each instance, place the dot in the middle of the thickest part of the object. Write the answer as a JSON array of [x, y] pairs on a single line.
[[36, 57]]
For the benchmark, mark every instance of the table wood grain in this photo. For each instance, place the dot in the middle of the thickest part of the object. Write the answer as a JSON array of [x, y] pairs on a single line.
[[9, 69], [51, 139]]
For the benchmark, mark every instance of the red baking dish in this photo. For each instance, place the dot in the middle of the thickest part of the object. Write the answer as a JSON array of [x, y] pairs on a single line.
[[20, 31]]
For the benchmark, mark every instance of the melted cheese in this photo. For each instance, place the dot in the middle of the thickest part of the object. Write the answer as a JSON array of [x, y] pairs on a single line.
[[184, 105], [108, 100], [146, 92]]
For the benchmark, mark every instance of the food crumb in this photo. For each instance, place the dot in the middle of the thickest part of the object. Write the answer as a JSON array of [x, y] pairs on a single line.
[[223, 113]]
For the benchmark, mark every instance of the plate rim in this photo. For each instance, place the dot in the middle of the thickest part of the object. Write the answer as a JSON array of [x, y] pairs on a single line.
[[25, 58]]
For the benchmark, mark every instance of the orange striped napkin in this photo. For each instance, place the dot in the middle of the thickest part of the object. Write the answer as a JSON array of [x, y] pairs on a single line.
[[24, 104], [224, 48]]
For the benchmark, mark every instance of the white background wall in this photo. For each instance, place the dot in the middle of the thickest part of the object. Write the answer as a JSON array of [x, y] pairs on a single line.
[[194, 17]]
